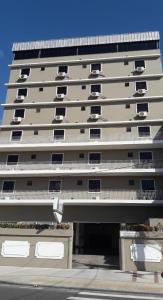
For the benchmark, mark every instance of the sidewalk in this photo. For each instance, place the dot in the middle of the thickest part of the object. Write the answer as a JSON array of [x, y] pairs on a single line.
[[97, 279]]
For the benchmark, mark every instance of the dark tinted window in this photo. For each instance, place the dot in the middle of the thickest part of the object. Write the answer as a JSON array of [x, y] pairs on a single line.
[[12, 159], [8, 186]]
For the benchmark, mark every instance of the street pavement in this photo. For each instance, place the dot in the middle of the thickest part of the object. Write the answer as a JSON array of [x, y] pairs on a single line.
[[83, 279], [9, 292]]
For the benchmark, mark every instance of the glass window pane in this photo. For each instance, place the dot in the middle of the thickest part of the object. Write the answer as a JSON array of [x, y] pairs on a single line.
[[139, 63], [22, 92], [142, 107], [8, 187], [148, 185], [96, 88], [12, 159], [62, 90], [96, 110], [94, 158], [62, 69], [145, 155], [60, 111], [94, 185], [95, 67], [19, 113], [57, 158], [141, 85], [54, 186]]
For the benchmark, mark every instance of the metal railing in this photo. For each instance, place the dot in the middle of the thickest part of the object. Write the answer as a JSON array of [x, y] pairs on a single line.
[[112, 194], [93, 165]]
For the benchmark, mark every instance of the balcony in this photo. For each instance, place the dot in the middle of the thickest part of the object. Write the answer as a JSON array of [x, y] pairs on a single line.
[[79, 142], [71, 197], [102, 168]]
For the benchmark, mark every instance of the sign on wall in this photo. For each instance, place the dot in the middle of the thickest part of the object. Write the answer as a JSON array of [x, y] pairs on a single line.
[[49, 250], [148, 252], [15, 249]]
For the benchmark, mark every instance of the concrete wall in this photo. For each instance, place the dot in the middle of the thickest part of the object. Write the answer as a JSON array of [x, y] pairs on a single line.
[[151, 239], [33, 236]]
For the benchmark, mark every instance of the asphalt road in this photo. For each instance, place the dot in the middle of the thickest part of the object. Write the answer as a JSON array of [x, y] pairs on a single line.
[[16, 292]]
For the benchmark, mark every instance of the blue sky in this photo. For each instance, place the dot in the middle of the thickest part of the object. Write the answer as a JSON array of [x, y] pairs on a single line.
[[28, 20]]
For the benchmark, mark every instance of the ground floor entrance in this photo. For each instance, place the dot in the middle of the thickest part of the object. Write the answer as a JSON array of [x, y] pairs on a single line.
[[96, 245]]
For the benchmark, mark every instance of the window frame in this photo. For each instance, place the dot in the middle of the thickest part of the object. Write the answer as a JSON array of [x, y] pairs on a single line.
[[60, 107], [16, 140], [97, 63], [141, 81], [144, 136], [141, 66], [140, 160], [20, 73], [96, 113], [142, 110], [90, 134], [63, 71], [88, 186], [19, 109], [96, 84], [17, 94], [62, 86], [49, 186], [150, 180], [92, 164], [10, 155], [14, 181], [62, 159], [59, 139]]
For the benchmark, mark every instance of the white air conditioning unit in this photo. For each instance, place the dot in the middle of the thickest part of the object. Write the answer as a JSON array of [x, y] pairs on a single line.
[[95, 72], [61, 74], [140, 69], [141, 91], [20, 98], [60, 96], [94, 116], [16, 119], [142, 114], [59, 118], [23, 76], [95, 94]]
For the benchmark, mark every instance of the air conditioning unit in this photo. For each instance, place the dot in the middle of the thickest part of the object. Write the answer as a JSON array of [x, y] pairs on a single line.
[[140, 69], [61, 74], [59, 118], [94, 116], [20, 98], [17, 119], [60, 96], [95, 94], [23, 76], [95, 72], [142, 114], [141, 91]]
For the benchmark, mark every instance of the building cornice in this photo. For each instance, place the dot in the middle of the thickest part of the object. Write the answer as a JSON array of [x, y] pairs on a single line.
[[84, 60], [87, 80], [82, 102], [79, 125]]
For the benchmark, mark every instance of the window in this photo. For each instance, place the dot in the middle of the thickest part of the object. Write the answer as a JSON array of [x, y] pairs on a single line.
[[139, 63], [19, 113], [63, 69], [147, 185], [33, 156], [128, 129], [95, 67], [83, 87], [42, 69], [127, 83], [94, 186], [96, 88], [130, 154], [62, 90], [81, 155], [59, 134], [25, 71], [142, 107], [38, 110], [79, 182], [35, 132], [141, 85], [82, 130], [94, 158], [95, 133], [12, 159], [95, 110], [128, 105], [29, 183], [145, 156], [22, 92], [8, 186], [16, 135], [83, 108], [57, 158], [143, 131], [131, 182], [125, 62], [60, 111], [41, 89], [54, 186]]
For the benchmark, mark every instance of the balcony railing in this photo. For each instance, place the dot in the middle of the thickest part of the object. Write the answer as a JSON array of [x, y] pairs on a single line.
[[103, 165], [82, 138], [112, 194]]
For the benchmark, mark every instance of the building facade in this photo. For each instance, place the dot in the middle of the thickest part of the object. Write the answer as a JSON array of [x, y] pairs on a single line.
[[82, 123]]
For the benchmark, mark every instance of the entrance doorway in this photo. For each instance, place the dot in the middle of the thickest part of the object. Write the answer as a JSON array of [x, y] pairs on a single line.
[[96, 245]]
